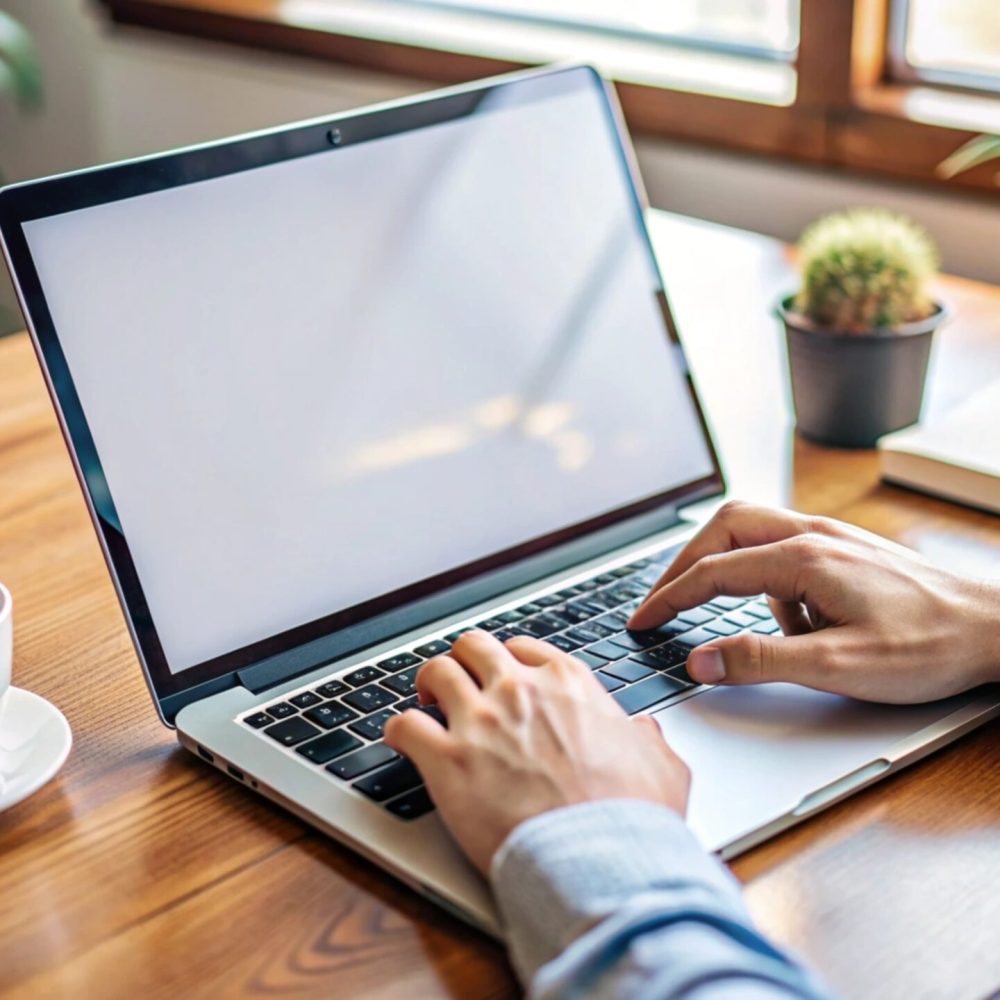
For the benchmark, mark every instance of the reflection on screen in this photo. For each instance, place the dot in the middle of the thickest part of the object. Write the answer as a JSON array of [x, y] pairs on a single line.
[[316, 382]]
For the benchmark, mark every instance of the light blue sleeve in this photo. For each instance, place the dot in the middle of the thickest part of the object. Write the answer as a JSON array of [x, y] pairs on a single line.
[[617, 899]]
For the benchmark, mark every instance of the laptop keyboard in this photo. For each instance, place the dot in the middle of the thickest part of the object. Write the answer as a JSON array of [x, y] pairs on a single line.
[[337, 725]]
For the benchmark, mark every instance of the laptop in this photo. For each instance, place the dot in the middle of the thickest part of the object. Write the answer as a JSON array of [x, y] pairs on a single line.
[[338, 391]]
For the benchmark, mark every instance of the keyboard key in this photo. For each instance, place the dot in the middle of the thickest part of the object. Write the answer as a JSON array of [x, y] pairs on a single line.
[[398, 662], [412, 702], [592, 661], [490, 624], [329, 746], [614, 621], [589, 632], [680, 673], [663, 657], [583, 608], [728, 603], [412, 804], [390, 781], [628, 670], [564, 642], [741, 619], [281, 711], [568, 593], [330, 715], [369, 699], [766, 628], [638, 640], [576, 615], [605, 578], [695, 637], [404, 683], [363, 675], [258, 719], [536, 627], [548, 600], [291, 731], [371, 727], [601, 599], [530, 609], [673, 628], [608, 650], [305, 700], [331, 689], [647, 693], [696, 616], [435, 648], [625, 571], [757, 610], [509, 617], [362, 761], [611, 683], [721, 627], [505, 633]]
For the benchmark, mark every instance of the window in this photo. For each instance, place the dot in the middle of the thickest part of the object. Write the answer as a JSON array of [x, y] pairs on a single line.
[[887, 87], [947, 41], [766, 29]]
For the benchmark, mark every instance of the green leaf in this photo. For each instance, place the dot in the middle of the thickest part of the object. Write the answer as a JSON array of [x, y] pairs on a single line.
[[981, 149], [20, 68]]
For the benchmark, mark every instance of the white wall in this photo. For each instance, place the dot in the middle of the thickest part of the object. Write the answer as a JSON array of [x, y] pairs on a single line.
[[116, 92]]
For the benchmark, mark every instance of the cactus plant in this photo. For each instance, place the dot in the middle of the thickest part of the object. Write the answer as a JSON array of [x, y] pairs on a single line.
[[865, 270]]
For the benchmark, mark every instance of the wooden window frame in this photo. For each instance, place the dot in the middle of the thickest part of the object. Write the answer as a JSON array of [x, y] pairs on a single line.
[[847, 113]]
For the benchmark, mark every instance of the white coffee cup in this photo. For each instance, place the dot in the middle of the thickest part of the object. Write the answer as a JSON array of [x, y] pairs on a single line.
[[6, 645]]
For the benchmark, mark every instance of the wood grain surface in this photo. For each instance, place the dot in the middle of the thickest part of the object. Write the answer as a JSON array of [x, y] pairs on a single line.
[[139, 871]]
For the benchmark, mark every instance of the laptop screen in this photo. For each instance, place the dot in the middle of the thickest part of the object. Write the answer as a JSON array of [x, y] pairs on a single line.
[[322, 381]]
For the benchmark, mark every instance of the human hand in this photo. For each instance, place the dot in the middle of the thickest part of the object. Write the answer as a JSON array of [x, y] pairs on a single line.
[[530, 729], [861, 616]]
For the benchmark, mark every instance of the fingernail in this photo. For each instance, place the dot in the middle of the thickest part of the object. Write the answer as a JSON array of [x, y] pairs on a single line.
[[707, 666]]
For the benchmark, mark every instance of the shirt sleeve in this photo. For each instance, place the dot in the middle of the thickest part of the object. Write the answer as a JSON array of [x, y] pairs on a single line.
[[617, 899]]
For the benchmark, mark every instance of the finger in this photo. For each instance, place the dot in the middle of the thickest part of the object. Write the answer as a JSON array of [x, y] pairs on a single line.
[[416, 735], [774, 569], [482, 655], [764, 659], [737, 525], [532, 652], [791, 616], [445, 681]]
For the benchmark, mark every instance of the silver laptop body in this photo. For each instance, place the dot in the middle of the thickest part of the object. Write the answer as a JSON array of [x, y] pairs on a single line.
[[337, 391]]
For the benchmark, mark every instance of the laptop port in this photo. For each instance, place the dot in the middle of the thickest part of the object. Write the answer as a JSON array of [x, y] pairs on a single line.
[[235, 772], [210, 757]]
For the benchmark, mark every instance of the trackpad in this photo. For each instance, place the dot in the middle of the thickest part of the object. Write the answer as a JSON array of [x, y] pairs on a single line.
[[756, 752]]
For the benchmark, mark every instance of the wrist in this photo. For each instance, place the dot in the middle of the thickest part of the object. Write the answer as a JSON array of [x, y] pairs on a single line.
[[984, 632]]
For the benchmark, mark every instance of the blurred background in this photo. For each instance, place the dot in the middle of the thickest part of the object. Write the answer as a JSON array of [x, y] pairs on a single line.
[[760, 114]]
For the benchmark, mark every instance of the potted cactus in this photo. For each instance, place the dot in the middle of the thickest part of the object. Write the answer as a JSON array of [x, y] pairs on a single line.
[[859, 330]]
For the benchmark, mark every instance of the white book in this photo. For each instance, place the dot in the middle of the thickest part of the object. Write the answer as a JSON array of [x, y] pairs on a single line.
[[956, 457]]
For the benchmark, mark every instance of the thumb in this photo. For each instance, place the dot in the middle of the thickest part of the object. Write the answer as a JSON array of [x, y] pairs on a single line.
[[762, 659]]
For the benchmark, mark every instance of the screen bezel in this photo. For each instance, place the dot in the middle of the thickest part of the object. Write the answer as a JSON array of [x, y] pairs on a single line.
[[390, 613]]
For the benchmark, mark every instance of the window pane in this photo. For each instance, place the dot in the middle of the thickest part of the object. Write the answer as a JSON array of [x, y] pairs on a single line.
[[764, 27], [954, 37]]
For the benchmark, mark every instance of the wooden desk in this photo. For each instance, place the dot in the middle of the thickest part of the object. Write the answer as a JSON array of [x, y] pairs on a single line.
[[139, 871]]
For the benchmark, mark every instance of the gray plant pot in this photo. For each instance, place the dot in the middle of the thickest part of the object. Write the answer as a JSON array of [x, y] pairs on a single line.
[[849, 389]]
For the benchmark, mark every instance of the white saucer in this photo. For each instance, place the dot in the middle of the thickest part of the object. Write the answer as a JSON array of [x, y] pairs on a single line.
[[34, 742]]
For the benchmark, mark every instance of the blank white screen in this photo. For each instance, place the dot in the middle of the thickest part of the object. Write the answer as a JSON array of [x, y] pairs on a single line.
[[315, 382]]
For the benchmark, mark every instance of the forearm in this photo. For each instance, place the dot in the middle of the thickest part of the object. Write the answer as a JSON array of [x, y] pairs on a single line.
[[616, 899]]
